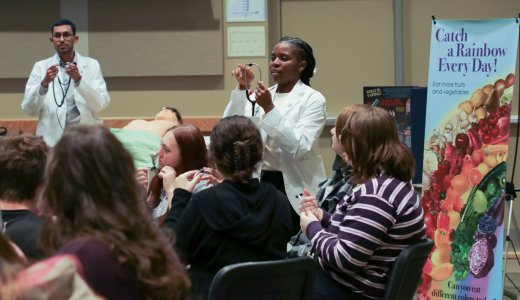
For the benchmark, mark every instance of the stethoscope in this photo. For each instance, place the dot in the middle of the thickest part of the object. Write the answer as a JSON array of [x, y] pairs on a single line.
[[253, 102], [63, 91]]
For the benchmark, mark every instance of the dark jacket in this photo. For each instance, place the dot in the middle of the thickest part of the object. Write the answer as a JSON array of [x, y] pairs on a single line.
[[230, 223]]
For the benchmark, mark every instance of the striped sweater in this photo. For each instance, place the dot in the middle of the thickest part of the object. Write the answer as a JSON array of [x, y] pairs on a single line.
[[359, 243]]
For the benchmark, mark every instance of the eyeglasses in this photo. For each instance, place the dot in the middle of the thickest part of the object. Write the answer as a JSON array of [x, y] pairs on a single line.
[[65, 35]]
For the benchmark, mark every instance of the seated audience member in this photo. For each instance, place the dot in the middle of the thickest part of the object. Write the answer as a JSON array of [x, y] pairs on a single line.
[[182, 149], [330, 192], [22, 162], [238, 220], [334, 188], [90, 201], [142, 138], [358, 244], [54, 278]]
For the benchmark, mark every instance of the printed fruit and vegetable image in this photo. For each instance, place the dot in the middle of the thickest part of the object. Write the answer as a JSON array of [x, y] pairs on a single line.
[[463, 185]]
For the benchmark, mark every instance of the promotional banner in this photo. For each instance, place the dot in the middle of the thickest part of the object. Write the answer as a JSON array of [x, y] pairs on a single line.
[[470, 89]]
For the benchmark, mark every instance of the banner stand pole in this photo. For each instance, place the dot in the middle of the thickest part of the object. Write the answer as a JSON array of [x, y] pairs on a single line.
[[510, 197]]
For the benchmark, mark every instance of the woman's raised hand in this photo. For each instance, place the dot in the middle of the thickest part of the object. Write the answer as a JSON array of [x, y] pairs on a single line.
[[306, 217], [310, 204], [141, 175], [168, 176], [212, 176], [238, 73], [187, 180], [263, 97]]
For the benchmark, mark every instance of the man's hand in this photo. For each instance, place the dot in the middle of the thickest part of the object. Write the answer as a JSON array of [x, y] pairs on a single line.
[[50, 74], [73, 71]]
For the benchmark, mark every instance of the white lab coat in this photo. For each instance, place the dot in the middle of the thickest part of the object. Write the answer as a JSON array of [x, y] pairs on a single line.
[[295, 126], [90, 95]]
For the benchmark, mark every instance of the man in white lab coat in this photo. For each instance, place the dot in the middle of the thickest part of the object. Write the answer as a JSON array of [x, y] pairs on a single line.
[[66, 88]]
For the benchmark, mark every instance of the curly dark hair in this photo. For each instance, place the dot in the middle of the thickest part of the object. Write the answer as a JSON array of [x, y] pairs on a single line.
[[22, 162], [90, 189], [236, 148]]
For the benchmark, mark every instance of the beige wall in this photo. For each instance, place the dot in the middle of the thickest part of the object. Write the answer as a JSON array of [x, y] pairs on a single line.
[[353, 45]]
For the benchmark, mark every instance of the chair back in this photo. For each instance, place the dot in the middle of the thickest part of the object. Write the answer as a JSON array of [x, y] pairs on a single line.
[[404, 277], [285, 279]]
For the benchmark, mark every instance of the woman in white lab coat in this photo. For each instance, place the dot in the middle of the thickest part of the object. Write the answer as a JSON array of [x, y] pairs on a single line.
[[290, 115]]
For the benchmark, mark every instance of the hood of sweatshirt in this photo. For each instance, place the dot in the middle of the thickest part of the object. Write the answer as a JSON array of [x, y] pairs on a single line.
[[247, 213]]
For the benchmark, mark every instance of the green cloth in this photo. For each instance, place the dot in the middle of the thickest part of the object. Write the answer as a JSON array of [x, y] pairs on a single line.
[[140, 143]]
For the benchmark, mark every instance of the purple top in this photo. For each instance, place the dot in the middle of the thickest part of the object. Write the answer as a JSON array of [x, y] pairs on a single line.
[[103, 273], [359, 243]]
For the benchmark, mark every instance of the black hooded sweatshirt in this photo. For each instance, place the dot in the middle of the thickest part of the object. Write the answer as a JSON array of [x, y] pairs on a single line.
[[230, 223]]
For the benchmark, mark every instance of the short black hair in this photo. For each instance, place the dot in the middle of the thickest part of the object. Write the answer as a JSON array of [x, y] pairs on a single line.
[[176, 112], [62, 22]]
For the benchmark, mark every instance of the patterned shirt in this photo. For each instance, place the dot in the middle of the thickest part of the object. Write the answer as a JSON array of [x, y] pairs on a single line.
[[359, 243], [334, 188]]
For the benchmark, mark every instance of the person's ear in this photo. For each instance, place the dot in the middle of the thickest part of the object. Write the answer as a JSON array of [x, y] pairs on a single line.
[[302, 66]]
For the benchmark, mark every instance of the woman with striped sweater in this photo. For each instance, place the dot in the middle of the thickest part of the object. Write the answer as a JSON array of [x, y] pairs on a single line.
[[357, 245]]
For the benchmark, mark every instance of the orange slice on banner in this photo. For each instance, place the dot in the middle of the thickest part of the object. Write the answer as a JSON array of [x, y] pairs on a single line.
[[474, 176]]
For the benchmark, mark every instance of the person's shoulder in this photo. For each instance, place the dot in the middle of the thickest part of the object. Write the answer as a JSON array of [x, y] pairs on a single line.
[[33, 219], [45, 61], [390, 188], [214, 191], [86, 59], [316, 95], [272, 192], [311, 93], [137, 124], [158, 127], [85, 245], [161, 126], [21, 218], [80, 56]]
